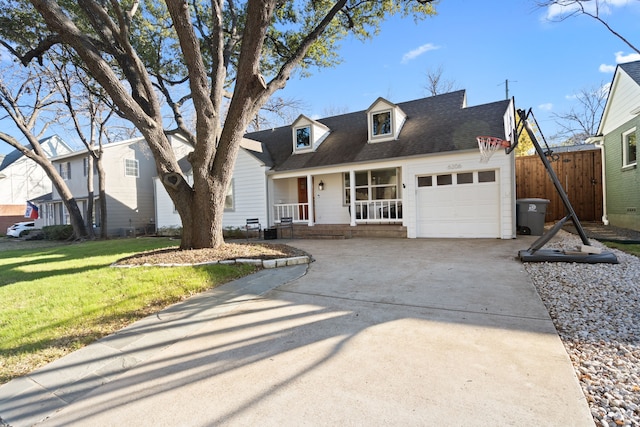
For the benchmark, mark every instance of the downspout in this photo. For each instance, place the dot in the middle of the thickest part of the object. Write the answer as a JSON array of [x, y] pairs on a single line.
[[599, 141]]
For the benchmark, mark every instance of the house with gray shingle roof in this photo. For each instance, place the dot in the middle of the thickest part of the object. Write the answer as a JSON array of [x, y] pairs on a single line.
[[414, 164], [22, 179], [617, 136]]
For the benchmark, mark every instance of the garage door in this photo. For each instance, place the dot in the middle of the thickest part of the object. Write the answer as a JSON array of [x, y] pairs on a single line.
[[465, 204]]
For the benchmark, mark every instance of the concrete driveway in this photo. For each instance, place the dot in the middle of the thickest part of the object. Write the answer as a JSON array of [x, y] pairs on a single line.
[[377, 332]]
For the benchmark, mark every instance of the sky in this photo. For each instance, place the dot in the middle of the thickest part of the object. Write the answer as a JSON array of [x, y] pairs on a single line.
[[479, 45]]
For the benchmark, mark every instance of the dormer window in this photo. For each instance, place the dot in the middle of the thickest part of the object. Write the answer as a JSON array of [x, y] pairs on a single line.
[[303, 138], [385, 121], [308, 134], [381, 123]]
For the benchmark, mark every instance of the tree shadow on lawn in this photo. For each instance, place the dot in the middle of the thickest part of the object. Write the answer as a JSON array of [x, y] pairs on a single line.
[[11, 272]]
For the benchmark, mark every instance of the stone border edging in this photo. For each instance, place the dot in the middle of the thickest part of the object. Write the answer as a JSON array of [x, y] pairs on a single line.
[[264, 263]]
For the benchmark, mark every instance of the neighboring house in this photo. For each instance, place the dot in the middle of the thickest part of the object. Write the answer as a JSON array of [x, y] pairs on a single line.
[[129, 170], [618, 136], [22, 179], [414, 163]]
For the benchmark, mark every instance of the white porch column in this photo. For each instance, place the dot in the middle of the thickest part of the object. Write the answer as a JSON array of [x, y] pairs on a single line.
[[352, 192], [310, 191]]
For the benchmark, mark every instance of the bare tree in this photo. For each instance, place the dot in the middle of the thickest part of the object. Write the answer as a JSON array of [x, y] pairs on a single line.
[[89, 111], [591, 8], [437, 84], [582, 120], [277, 111], [334, 110], [32, 98]]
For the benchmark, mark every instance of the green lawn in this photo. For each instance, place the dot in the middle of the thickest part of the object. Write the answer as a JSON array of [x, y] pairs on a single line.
[[632, 249], [55, 300]]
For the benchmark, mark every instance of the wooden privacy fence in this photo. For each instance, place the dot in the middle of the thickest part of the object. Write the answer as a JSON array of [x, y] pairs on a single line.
[[580, 173]]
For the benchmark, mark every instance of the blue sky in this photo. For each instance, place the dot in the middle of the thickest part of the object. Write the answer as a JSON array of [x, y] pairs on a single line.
[[478, 45]]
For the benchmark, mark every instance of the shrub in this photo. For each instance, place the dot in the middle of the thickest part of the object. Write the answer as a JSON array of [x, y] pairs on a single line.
[[172, 231], [57, 232], [233, 233]]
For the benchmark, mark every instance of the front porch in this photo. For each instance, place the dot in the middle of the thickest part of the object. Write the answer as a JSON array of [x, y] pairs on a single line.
[[386, 211], [344, 231]]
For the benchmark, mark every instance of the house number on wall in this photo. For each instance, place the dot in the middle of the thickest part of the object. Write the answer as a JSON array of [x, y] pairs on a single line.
[[454, 166]]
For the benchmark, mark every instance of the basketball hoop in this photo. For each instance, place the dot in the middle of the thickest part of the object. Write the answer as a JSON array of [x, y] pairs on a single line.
[[489, 145]]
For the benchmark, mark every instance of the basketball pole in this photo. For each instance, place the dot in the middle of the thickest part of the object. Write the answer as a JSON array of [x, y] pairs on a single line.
[[530, 254]]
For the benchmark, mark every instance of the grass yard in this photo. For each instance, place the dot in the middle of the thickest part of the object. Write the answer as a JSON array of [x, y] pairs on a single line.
[[55, 300], [629, 248]]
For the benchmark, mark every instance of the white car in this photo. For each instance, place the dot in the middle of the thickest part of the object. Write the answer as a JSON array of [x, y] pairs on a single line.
[[20, 229]]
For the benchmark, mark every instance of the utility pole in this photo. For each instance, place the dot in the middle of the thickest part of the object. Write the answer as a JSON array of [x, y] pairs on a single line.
[[506, 87]]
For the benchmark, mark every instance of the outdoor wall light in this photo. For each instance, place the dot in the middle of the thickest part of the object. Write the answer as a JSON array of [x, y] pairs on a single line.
[[321, 186]]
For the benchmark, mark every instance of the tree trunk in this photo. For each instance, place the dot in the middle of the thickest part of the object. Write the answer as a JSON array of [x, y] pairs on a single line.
[[75, 216], [89, 219]]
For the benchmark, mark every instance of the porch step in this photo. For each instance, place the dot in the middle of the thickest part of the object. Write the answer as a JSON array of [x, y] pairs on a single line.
[[345, 231]]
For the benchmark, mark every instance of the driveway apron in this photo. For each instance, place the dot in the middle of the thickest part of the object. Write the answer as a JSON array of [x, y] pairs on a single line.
[[377, 332]]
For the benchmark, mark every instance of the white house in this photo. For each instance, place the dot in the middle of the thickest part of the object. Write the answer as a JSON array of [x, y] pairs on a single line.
[[414, 164], [22, 179]]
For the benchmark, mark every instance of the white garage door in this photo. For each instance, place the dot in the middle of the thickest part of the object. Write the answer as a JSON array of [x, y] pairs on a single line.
[[465, 204]]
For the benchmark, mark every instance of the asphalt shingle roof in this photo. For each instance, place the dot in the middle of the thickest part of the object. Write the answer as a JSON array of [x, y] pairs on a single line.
[[633, 69], [435, 124]]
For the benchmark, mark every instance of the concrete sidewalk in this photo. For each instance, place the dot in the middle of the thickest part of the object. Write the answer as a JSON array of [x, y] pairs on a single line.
[[377, 332]]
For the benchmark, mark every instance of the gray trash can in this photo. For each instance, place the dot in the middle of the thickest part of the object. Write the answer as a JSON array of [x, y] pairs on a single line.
[[530, 215]]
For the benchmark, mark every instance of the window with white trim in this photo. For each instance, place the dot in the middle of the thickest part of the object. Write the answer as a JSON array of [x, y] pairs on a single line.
[[629, 140], [65, 170], [303, 138], [131, 168], [461, 178], [377, 184], [381, 123]]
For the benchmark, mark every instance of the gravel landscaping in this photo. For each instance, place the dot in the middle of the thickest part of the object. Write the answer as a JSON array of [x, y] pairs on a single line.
[[596, 311]]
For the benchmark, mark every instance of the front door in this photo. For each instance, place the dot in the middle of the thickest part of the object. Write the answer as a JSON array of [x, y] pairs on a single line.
[[303, 197]]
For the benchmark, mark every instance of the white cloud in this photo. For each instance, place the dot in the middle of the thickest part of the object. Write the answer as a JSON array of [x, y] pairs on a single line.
[[413, 54], [601, 7], [621, 58], [546, 107], [606, 68]]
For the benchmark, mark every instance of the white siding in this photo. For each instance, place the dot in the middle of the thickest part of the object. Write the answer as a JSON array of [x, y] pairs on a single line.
[[329, 203], [456, 163], [250, 196], [250, 192], [23, 180], [626, 98]]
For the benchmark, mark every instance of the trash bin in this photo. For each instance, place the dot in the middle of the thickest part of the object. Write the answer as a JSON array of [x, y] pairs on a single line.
[[270, 233], [530, 215]]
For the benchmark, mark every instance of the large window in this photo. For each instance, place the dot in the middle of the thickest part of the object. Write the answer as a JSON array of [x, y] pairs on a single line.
[[379, 184], [629, 139], [131, 168], [303, 138], [381, 124]]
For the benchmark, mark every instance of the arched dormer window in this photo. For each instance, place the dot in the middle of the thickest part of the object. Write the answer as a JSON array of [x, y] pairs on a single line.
[[385, 121]]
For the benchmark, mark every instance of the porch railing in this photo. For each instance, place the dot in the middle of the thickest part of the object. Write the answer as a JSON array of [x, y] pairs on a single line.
[[378, 211], [367, 211], [298, 211]]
